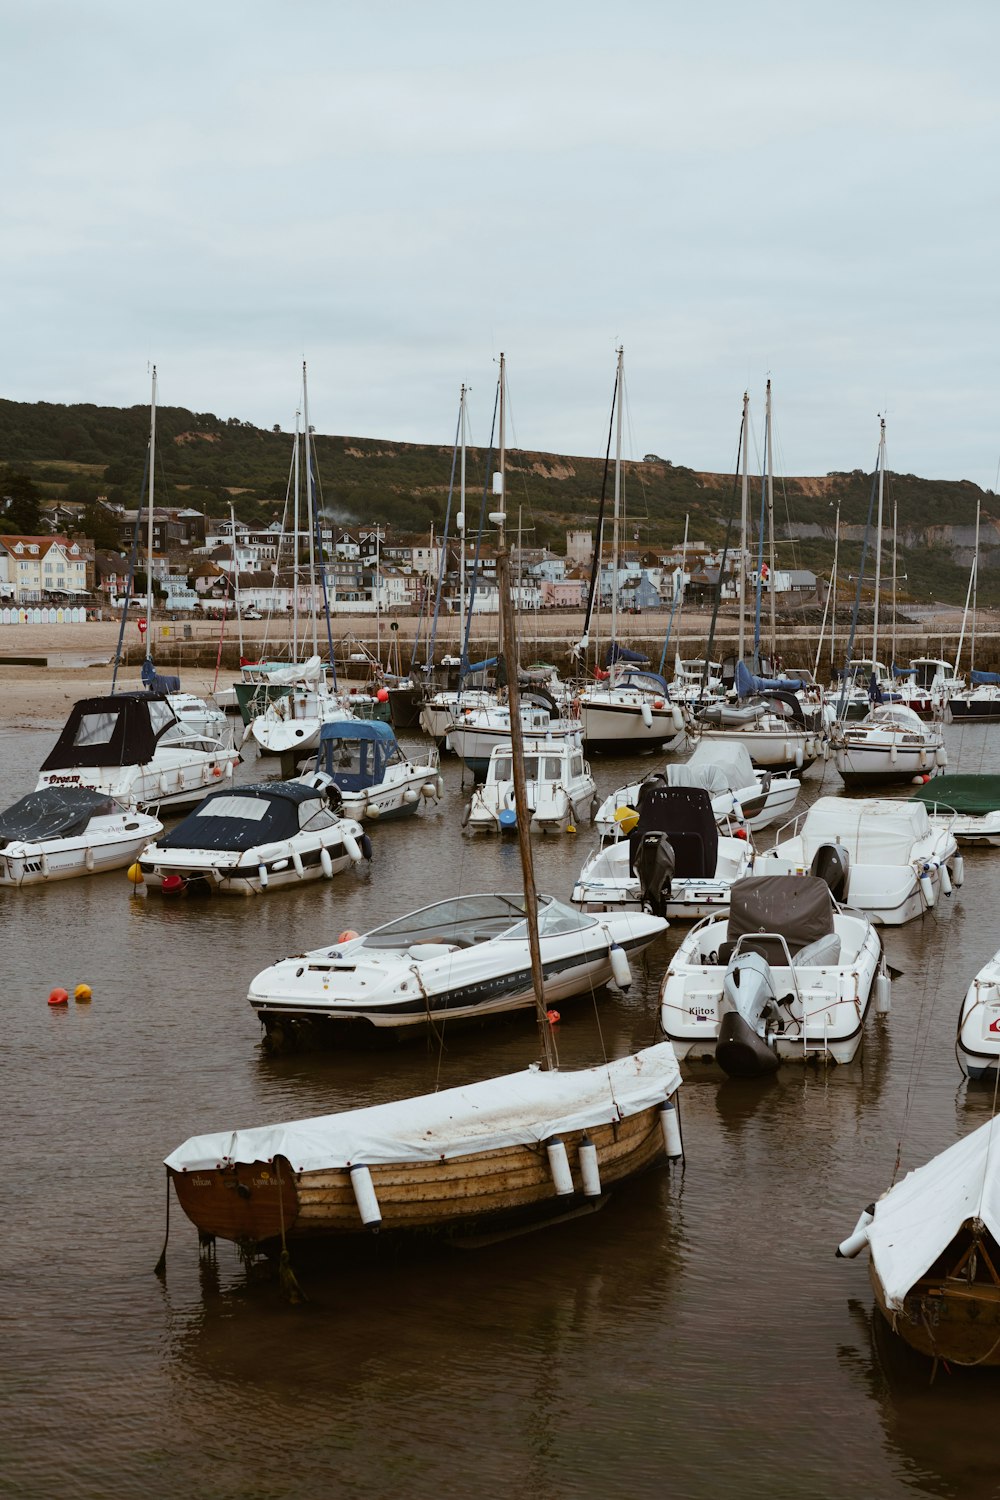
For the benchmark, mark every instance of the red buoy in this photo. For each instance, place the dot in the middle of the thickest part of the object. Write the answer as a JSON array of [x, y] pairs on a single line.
[[382, 695], [173, 885], [59, 997], [553, 1017]]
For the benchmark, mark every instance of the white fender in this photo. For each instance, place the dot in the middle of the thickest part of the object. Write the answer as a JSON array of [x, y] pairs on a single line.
[[439, 786], [352, 847], [670, 1124], [927, 886], [590, 1171], [858, 1239], [677, 714], [428, 789], [958, 870], [366, 1198], [562, 1177], [941, 756], [88, 858], [326, 863], [262, 875], [893, 754], [945, 878], [922, 756], [297, 863], [883, 993], [647, 715], [45, 865], [410, 795], [621, 973], [799, 757]]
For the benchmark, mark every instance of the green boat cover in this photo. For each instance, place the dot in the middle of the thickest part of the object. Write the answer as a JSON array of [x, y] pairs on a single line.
[[966, 794]]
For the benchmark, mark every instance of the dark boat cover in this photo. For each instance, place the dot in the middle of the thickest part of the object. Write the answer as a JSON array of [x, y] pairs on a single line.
[[155, 682], [355, 752], [796, 906], [685, 815], [625, 654], [238, 818], [973, 795], [985, 679], [120, 730], [52, 812]]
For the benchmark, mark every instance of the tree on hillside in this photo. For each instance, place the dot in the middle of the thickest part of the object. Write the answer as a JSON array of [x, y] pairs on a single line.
[[102, 529], [20, 515]]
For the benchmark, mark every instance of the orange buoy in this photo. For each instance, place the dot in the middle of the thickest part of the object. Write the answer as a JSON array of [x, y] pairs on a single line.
[[83, 994], [348, 935], [553, 1017], [59, 997]]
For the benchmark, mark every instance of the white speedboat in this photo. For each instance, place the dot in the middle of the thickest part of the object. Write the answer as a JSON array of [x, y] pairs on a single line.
[[363, 761], [893, 864], [64, 831], [465, 959], [926, 685], [739, 792], [198, 716], [132, 747], [560, 790], [977, 1045], [968, 805], [291, 724], [934, 1243], [245, 840], [784, 976], [672, 861], [440, 711], [890, 746]]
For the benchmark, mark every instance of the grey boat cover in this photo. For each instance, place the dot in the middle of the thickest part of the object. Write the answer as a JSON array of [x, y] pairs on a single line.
[[798, 907], [53, 812], [732, 760], [238, 818]]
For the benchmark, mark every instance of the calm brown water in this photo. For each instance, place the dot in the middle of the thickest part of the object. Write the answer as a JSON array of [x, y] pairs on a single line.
[[698, 1338]]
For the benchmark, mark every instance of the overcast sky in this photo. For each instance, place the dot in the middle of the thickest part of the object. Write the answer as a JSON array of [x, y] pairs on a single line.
[[397, 191]]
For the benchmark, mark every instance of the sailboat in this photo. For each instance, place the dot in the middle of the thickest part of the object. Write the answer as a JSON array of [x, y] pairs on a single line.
[[980, 701], [629, 707], [528, 1146], [891, 745]]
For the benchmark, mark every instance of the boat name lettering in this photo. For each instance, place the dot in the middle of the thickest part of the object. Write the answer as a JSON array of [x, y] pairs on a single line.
[[62, 780], [200, 1181]]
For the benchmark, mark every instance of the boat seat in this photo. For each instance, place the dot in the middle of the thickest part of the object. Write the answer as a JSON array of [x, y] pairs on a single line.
[[823, 952]]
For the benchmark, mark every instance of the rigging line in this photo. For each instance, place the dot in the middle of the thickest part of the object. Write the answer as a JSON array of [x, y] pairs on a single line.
[[634, 449], [857, 593], [595, 571], [464, 653], [130, 578], [722, 564], [444, 547]]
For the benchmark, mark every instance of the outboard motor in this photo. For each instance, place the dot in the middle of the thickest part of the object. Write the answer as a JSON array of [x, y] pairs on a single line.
[[748, 1005], [654, 869], [832, 863]]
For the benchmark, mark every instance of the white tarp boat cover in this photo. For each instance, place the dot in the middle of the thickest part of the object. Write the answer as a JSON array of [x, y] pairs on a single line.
[[712, 779], [731, 759], [520, 1109], [873, 830], [920, 1216], [310, 671]]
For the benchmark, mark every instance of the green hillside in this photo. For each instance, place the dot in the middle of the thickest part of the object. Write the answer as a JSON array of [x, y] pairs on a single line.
[[82, 451]]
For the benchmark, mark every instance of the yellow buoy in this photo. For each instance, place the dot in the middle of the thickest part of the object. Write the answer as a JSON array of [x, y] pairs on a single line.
[[135, 873], [626, 818], [83, 994]]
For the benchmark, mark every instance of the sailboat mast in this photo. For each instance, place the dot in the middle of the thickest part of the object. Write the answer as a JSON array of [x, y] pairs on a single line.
[[744, 522], [878, 538], [236, 578], [975, 597], [772, 580], [149, 521], [461, 512], [833, 583], [295, 548], [309, 511], [895, 550], [508, 643], [615, 539]]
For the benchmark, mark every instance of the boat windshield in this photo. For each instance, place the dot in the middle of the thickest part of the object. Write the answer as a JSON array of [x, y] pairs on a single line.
[[547, 768], [463, 920], [555, 919]]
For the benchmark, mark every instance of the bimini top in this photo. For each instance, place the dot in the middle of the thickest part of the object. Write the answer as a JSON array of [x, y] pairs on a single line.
[[917, 1219], [973, 795], [53, 812], [355, 752], [120, 730], [522, 1109], [873, 830], [239, 818]]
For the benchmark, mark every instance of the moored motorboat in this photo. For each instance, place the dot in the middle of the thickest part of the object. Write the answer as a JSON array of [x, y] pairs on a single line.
[[740, 793], [785, 976], [968, 805], [560, 790], [670, 859], [934, 1248], [889, 747], [132, 747], [246, 840], [362, 760], [893, 865], [63, 831], [464, 959], [977, 1045]]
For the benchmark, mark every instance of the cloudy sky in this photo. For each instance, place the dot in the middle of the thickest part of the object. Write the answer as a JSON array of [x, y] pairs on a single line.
[[397, 191]]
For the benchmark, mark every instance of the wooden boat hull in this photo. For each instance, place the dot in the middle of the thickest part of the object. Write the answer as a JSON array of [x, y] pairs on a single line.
[[256, 1204], [946, 1319]]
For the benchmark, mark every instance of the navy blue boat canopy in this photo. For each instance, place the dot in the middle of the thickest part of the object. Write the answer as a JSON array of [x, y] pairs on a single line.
[[616, 653], [747, 684], [355, 752], [985, 679], [238, 818]]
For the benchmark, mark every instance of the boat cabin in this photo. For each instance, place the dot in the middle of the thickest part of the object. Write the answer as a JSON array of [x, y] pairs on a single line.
[[123, 729], [355, 753]]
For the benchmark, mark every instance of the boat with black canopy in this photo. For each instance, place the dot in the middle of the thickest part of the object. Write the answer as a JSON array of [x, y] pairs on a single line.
[[63, 831], [245, 840], [131, 746]]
